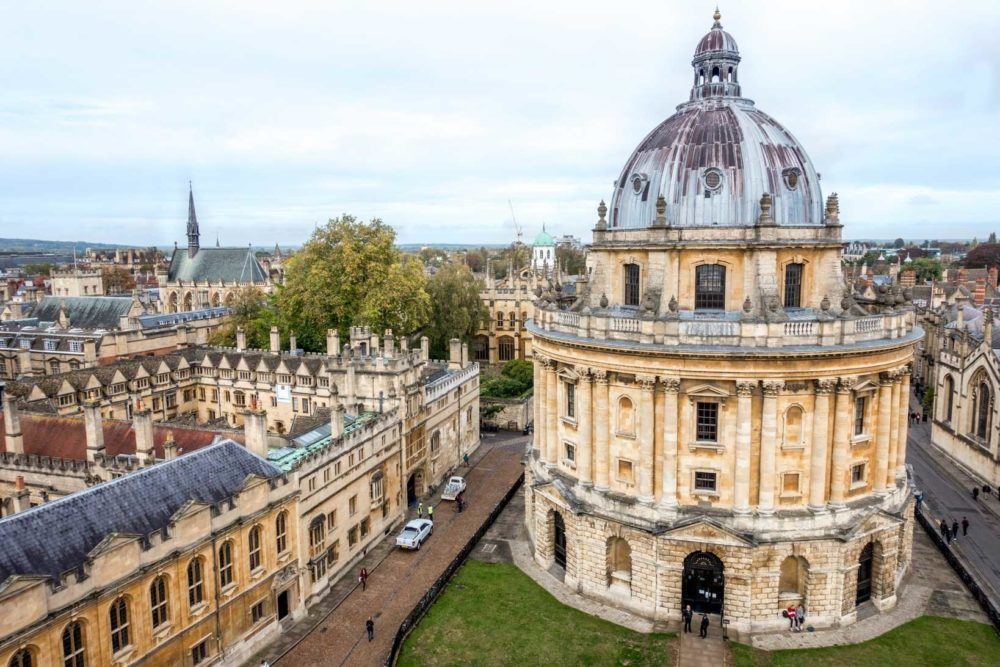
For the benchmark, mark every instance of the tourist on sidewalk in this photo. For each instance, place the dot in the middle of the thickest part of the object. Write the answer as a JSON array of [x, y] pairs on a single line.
[[954, 530], [965, 526], [800, 616], [704, 626], [687, 615], [791, 617], [363, 578], [370, 627]]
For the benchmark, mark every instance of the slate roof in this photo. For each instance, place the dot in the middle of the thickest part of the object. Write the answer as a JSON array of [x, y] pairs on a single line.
[[233, 265], [57, 537], [85, 312]]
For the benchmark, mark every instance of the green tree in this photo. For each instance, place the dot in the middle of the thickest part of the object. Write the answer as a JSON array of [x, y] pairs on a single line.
[[250, 309], [43, 269], [456, 309], [572, 261], [926, 269], [514, 380], [898, 243], [117, 280], [350, 273]]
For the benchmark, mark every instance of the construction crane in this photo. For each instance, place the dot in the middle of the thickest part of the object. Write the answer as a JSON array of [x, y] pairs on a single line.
[[519, 233]]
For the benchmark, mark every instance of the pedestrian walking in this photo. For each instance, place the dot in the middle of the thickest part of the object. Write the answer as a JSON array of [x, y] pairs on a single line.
[[465, 458], [975, 493], [687, 615], [800, 616], [946, 532], [986, 489], [370, 628], [954, 530], [420, 510], [703, 631], [923, 417], [363, 578], [965, 526], [430, 512]]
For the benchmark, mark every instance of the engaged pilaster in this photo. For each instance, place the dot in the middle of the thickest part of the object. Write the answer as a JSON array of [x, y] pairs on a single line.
[[884, 428], [671, 388], [820, 448], [768, 444], [744, 414], [842, 425], [584, 467], [647, 417], [601, 430]]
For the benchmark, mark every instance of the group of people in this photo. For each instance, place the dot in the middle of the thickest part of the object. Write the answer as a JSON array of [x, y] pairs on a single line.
[[796, 616], [950, 533], [688, 614], [420, 511], [915, 417], [986, 491]]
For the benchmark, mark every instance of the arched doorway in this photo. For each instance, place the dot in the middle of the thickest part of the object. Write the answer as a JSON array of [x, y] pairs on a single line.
[[414, 487], [703, 585], [865, 561], [559, 540]]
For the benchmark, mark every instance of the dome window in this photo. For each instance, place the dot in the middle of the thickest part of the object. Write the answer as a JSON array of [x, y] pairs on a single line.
[[712, 178], [638, 183], [791, 177]]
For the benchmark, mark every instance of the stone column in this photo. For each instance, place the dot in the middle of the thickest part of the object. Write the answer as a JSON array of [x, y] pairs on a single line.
[[552, 414], [540, 416], [601, 427], [820, 433], [647, 417], [903, 416], [584, 463], [885, 416], [768, 445], [897, 403], [842, 424], [744, 415], [671, 387]]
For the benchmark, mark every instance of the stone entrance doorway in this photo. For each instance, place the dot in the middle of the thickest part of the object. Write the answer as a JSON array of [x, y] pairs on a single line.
[[559, 540], [865, 574], [703, 585], [414, 487]]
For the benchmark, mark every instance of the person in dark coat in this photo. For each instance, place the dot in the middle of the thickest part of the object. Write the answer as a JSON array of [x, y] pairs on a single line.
[[704, 626], [370, 628], [975, 493], [363, 578], [687, 615], [945, 531], [965, 526], [954, 530]]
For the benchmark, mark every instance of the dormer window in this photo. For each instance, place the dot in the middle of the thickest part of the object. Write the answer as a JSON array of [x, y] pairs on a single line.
[[791, 177]]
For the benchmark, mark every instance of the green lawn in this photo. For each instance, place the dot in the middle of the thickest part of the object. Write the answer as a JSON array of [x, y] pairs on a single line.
[[928, 641], [496, 615]]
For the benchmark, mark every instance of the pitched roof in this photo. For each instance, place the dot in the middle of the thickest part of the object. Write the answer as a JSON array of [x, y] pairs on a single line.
[[234, 265], [57, 537], [86, 312], [66, 437]]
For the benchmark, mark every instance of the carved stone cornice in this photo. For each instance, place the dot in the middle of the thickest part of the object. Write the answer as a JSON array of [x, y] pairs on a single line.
[[888, 378], [745, 387], [671, 385], [825, 386], [846, 383], [600, 376], [771, 388], [646, 382]]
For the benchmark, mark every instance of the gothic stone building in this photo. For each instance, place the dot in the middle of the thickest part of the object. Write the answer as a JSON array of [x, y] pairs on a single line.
[[717, 422]]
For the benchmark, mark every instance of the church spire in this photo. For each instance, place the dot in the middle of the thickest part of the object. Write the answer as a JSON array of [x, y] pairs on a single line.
[[192, 225]]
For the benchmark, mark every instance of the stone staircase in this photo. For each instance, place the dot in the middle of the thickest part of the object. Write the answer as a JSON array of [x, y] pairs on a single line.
[[709, 652]]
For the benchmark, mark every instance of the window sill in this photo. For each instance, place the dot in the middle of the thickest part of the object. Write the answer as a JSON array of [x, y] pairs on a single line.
[[860, 440], [198, 609], [627, 436], [707, 444], [569, 464], [790, 495], [857, 485], [228, 589], [162, 632], [569, 421], [123, 655], [793, 448], [706, 494], [257, 573]]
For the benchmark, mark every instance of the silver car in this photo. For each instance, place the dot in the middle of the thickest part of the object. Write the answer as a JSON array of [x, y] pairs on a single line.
[[415, 533]]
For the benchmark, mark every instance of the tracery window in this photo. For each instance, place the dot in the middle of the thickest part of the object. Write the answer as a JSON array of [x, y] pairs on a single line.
[[226, 564], [196, 582], [118, 617], [158, 607], [254, 548], [74, 650]]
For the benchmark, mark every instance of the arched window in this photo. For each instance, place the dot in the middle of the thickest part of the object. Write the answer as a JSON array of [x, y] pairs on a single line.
[[512, 318], [159, 609], [506, 348], [619, 555], [626, 416], [793, 427], [254, 550], [118, 617], [281, 532], [710, 287], [793, 285], [196, 582], [22, 658], [499, 320], [716, 77], [631, 275], [74, 650], [317, 537], [226, 564], [949, 388], [981, 428], [793, 576], [481, 348]]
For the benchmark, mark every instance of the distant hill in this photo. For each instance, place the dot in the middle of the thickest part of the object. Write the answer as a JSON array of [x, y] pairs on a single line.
[[39, 245]]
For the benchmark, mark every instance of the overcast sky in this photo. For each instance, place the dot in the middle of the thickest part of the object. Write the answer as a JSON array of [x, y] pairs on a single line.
[[431, 115]]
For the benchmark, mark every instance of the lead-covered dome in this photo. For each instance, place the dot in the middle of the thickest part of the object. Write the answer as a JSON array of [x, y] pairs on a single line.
[[715, 158]]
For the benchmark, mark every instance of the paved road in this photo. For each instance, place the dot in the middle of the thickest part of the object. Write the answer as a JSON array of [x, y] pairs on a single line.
[[401, 579], [948, 494]]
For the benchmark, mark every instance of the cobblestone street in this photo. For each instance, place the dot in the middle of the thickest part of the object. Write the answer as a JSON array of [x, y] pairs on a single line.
[[334, 632]]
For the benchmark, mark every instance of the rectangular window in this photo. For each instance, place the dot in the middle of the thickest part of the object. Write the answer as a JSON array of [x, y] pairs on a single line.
[[710, 287], [570, 452], [352, 506], [331, 520], [50, 345], [858, 473], [570, 400], [790, 482], [705, 481], [257, 612], [631, 284], [707, 428], [625, 471], [793, 286], [365, 527], [199, 653], [352, 537], [859, 415]]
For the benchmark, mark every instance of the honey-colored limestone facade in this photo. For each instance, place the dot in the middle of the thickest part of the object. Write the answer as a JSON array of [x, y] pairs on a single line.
[[717, 421]]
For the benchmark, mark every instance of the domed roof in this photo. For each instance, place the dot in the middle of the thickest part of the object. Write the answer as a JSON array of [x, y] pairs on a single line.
[[715, 158], [543, 238]]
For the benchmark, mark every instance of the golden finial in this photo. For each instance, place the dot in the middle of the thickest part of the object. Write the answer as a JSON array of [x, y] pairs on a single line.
[[717, 15]]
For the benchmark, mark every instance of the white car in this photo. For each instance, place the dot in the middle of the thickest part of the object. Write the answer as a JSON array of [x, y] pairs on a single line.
[[415, 533], [455, 486]]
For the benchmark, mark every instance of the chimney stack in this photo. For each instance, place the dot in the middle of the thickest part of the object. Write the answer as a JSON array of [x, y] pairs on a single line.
[[332, 343], [994, 276], [255, 430], [142, 424], [292, 342], [465, 355], [169, 447], [979, 296], [388, 344], [454, 354], [241, 339], [425, 348], [22, 497], [275, 340], [95, 430], [14, 441], [337, 421], [404, 345]]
